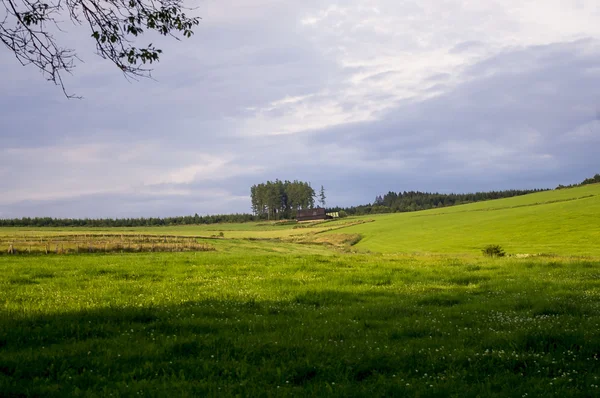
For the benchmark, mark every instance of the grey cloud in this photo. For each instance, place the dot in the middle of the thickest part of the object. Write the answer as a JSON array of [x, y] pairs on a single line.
[[465, 46], [520, 119], [439, 77], [205, 81], [508, 111], [120, 206]]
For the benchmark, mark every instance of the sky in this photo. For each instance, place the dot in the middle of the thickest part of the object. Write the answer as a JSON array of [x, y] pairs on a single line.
[[362, 97]]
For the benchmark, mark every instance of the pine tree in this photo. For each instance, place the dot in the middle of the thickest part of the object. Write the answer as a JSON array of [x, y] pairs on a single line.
[[322, 196]]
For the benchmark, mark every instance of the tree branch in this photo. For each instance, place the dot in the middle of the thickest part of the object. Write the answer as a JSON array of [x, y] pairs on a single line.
[[114, 26]]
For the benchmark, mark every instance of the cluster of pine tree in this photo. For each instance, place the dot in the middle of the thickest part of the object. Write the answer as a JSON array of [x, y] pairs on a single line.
[[282, 199], [593, 180], [393, 202]]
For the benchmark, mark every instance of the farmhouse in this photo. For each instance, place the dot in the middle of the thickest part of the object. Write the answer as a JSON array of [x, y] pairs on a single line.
[[312, 215]]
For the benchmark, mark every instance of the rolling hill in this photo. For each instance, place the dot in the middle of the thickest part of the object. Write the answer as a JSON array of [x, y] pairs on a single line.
[[562, 222]]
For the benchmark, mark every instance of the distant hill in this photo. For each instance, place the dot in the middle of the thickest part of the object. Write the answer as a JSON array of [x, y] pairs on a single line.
[[563, 222], [392, 202], [594, 180], [401, 202]]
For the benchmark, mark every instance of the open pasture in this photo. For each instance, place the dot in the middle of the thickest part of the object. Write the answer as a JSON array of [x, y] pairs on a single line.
[[294, 310], [564, 222], [197, 324], [267, 230]]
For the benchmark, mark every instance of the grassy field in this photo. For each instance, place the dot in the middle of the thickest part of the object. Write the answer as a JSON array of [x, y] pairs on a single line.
[[260, 230], [297, 312], [280, 324], [565, 222]]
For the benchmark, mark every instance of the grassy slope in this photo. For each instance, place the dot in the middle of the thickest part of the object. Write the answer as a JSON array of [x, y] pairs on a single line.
[[562, 222]]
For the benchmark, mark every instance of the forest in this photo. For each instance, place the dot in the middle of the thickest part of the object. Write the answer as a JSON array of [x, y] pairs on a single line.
[[401, 202]]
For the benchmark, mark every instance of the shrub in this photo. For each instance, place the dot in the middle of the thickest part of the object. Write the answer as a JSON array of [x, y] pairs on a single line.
[[342, 214], [494, 251]]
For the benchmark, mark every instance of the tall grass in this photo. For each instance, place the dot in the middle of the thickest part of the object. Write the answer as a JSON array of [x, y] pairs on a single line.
[[98, 243]]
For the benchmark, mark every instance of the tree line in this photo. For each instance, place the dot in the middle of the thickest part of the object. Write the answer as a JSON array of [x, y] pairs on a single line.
[[393, 202], [278, 199], [592, 180], [127, 222]]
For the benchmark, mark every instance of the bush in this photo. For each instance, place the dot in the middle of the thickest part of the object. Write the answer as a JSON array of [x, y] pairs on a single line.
[[342, 214], [494, 251]]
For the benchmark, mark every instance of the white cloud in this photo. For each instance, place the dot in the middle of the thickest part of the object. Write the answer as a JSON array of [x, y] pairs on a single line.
[[209, 168], [407, 43]]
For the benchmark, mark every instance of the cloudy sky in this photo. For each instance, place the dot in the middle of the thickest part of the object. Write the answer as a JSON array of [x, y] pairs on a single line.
[[362, 97]]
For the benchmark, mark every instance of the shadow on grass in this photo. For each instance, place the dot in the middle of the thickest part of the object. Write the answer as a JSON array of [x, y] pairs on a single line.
[[363, 342]]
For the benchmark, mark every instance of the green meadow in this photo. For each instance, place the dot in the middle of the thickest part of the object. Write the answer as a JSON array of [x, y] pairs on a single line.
[[411, 309], [564, 222]]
